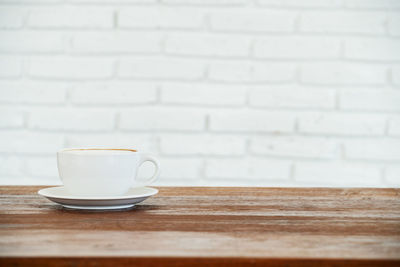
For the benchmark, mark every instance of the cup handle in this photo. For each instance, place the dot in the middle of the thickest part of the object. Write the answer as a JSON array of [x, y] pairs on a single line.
[[144, 158]]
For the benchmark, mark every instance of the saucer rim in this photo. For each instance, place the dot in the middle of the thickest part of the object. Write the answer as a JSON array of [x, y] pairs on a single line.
[[44, 192], [101, 208]]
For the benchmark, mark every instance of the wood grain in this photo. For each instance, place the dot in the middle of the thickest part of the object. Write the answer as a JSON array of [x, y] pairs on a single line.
[[207, 226]]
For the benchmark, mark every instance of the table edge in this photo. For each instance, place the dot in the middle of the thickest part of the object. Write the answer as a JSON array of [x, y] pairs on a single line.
[[190, 261]]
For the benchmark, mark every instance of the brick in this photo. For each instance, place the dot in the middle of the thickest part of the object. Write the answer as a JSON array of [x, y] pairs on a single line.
[[396, 75], [302, 3], [372, 149], [202, 144], [370, 99], [10, 67], [68, 68], [251, 72], [343, 74], [42, 166], [71, 17], [32, 92], [291, 96], [181, 169], [158, 68], [357, 22], [41, 42], [372, 3], [248, 169], [159, 118], [11, 118], [114, 93], [394, 126], [295, 146], [206, 2], [304, 47], [372, 49], [207, 45], [12, 18], [71, 119], [342, 124], [161, 18], [337, 174], [252, 121], [11, 166], [254, 21], [392, 176], [394, 24], [66, 119], [203, 94], [143, 142], [116, 42], [30, 143]]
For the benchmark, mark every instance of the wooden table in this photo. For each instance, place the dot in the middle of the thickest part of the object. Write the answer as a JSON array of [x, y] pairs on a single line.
[[207, 226]]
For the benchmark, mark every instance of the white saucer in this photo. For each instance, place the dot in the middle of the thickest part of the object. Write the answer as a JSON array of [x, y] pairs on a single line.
[[133, 196]]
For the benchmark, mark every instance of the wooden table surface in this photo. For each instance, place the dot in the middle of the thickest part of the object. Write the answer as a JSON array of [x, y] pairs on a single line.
[[207, 226]]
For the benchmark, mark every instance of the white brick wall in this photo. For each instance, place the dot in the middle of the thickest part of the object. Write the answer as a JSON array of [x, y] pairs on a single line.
[[304, 47], [159, 119], [257, 21], [342, 22], [32, 92], [195, 44], [71, 17], [283, 96], [394, 25], [26, 41], [116, 42], [160, 69], [11, 118], [350, 174], [256, 170], [10, 67], [224, 92], [343, 73], [71, 119], [113, 93], [164, 17], [394, 126], [250, 72], [295, 147], [199, 144], [252, 121], [70, 68], [342, 124], [203, 94], [12, 17]]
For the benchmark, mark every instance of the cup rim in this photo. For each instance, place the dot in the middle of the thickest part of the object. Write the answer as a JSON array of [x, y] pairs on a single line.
[[96, 148]]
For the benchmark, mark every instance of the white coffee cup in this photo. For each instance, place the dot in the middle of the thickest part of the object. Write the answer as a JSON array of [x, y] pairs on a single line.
[[102, 172]]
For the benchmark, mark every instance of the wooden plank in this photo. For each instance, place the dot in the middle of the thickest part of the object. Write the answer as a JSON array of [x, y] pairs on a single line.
[[193, 262], [218, 225]]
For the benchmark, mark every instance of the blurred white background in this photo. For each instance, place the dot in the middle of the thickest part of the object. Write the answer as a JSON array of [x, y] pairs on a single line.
[[225, 92]]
